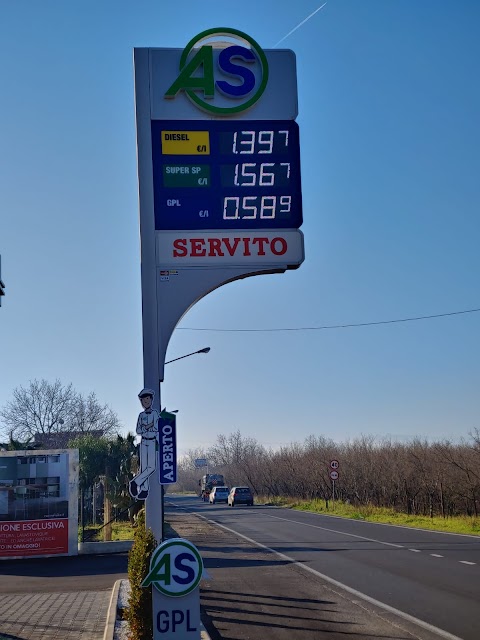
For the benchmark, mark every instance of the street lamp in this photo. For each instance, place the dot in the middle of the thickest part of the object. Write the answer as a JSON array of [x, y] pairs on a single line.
[[204, 350]]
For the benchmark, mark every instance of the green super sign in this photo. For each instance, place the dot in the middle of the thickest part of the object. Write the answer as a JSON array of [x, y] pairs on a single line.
[[186, 175]]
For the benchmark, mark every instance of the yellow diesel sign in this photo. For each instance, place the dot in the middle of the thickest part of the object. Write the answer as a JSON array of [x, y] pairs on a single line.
[[177, 143]]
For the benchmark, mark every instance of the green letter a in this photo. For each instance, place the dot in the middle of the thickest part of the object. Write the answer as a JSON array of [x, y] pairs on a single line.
[[186, 80], [156, 576]]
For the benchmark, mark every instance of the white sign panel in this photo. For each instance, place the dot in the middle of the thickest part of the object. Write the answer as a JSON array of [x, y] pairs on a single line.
[[177, 249], [176, 569], [164, 69]]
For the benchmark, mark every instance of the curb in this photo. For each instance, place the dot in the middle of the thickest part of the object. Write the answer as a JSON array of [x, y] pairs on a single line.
[[109, 632], [112, 612], [93, 548]]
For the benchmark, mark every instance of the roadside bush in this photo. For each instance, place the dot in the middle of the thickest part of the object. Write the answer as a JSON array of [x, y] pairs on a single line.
[[139, 611]]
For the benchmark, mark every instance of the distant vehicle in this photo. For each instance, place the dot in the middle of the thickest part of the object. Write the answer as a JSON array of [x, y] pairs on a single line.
[[218, 494], [209, 481], [240, 495]]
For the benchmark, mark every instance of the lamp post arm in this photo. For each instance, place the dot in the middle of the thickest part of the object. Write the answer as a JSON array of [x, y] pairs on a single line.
[[206, 350]]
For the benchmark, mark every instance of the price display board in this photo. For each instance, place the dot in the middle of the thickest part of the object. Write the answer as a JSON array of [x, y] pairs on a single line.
[[226, 174]]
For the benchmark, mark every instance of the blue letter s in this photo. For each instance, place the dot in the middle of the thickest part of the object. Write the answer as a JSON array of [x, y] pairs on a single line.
[[227, 66]]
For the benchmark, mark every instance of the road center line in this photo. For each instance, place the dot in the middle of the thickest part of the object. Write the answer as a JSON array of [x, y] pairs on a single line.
[[466, 562], [436, 555], [415, 550], [352, 535]]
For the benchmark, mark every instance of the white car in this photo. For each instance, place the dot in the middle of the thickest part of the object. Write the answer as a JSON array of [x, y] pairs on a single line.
[[218, 494]]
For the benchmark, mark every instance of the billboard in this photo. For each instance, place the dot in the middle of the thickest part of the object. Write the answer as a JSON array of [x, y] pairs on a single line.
[[38, 503]]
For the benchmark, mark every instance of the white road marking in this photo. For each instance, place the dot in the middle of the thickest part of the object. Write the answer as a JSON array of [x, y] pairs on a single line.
[[340, 585], [466, 562], [436, 555], [352, 535], [415, 550]]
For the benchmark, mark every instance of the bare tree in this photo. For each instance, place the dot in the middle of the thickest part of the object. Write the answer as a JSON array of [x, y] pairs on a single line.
[[41, 408], [87, 415], [53, 413]]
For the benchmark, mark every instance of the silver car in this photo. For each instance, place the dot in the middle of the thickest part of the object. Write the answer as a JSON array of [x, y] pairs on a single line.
[[218, 494], [240, 495]]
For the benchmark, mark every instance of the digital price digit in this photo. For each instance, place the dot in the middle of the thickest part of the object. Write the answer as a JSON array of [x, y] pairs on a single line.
[[266, 142], [247, 207], [264, 174]]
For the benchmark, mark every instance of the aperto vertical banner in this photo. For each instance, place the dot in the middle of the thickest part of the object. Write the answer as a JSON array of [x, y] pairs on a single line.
[[167, 448]]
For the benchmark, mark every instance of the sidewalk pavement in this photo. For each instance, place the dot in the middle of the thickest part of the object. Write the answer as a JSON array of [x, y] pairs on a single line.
[[77, 615]]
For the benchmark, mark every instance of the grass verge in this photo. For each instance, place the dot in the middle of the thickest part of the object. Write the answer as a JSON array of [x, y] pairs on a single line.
[[369, 513], [120, 531]]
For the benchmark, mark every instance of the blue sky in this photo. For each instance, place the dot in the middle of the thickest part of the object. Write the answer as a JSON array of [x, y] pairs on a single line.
[[388, 113]]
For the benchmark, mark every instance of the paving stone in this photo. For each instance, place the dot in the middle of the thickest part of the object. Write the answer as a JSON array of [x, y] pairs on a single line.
[[54, 616]]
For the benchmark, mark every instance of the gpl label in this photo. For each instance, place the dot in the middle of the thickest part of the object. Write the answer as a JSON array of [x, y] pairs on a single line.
[[175, 620], [175, 569]]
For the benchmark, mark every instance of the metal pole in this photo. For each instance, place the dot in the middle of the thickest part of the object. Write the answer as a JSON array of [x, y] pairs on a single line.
[[163, 512], [82, 516]]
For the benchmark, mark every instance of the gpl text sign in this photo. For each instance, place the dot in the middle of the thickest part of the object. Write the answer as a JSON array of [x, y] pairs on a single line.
[[167, 448], [176, 569]]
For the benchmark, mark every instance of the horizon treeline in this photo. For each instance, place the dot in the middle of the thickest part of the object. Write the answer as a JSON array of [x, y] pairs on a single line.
[[418, 477]]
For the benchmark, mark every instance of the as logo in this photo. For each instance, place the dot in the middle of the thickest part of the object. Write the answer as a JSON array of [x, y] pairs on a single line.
[[175, 568], [233, 71]]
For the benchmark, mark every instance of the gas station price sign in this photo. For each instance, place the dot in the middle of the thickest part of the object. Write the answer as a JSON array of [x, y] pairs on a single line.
[[226, 174]]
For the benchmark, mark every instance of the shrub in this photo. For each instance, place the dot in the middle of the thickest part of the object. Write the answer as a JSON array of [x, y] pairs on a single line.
[[139, 611]]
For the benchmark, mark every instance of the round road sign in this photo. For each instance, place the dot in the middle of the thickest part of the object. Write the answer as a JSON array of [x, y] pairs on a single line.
[[334, 464], [334, 475], [175, 568]]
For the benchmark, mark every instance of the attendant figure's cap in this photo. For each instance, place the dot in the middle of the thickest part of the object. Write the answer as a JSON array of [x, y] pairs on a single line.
[[146, 392]]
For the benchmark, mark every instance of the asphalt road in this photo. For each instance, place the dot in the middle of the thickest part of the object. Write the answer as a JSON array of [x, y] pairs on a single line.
[[433, 577]]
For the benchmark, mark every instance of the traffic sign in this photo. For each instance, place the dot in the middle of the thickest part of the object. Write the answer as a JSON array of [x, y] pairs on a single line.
[[334, 475], [334, 464], [175, 568]]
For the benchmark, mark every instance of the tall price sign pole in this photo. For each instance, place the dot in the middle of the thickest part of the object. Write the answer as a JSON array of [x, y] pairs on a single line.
[[219, 185]]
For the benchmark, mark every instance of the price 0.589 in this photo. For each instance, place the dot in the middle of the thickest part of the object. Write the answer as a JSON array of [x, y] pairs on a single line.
[[256, 207]]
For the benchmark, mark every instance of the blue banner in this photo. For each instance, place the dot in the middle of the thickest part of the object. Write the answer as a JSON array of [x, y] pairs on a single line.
[[167, 448]]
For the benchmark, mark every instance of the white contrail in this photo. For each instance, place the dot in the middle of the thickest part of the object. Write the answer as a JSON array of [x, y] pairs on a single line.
[[299, 25]]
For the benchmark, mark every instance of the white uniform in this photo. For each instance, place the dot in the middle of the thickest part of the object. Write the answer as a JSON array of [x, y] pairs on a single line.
[[147, 428]]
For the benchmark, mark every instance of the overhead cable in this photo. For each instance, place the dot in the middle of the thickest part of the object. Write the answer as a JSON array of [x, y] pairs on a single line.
[[335, 326]]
